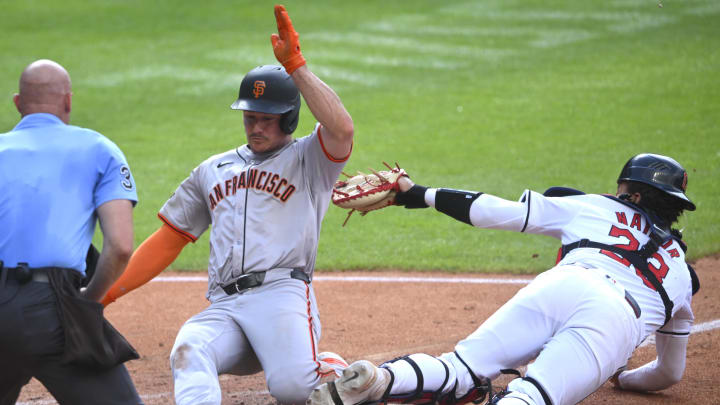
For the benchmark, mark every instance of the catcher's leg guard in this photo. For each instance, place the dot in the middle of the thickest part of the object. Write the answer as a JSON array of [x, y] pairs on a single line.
[[421, 394], [437, 380], [476, 394]]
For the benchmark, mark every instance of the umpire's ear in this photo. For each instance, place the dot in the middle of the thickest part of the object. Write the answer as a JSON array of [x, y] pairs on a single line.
[[91, 261]]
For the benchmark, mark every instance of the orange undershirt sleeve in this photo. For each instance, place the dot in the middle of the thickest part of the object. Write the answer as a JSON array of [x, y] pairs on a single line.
[[149, 259]]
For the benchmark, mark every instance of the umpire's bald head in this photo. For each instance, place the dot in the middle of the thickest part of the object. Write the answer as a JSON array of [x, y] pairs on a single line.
[[44, 88]]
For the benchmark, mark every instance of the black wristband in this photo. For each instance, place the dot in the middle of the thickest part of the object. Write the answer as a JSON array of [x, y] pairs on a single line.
[[455, 203], [413, 198]]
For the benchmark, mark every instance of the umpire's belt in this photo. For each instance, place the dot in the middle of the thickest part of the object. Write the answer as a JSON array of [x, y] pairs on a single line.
[[24, 274], [257, 278]]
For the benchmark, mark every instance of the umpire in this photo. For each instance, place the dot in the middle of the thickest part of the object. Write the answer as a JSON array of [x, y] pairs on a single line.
[[57, 180]]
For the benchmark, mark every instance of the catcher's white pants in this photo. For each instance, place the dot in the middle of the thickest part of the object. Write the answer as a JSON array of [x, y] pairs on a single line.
[[575, 320], [273, 328]]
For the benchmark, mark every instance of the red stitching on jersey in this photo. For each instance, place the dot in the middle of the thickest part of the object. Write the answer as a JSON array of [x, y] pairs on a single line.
[[329, 156], [176, 229]]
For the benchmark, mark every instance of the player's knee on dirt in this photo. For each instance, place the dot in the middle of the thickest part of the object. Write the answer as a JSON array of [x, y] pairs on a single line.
[[179, 357], [187, 356], [195, 377], [292, 387]]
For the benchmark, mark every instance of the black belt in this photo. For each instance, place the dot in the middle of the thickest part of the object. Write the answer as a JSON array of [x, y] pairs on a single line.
[[633, 304], [255, 279], [23, 274]]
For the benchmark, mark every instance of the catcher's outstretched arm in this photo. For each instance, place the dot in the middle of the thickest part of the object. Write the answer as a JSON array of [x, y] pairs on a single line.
[[150, 258], [473, 208], [481, 210]]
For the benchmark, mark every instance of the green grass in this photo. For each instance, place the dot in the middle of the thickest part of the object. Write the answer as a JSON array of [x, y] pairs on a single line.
[[495, 96]]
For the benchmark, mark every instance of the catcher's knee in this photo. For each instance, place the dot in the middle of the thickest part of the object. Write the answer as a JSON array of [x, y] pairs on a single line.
[[522, 391], [457, 383], [511, 398]]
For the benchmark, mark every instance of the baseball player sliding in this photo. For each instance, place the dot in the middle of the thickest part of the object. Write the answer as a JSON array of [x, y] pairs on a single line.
[[621, 275], [265, 201]]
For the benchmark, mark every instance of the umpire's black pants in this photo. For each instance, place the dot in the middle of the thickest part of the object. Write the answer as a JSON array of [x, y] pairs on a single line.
[[31, 345]]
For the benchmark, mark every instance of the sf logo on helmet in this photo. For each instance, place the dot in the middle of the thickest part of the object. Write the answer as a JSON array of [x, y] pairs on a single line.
[[259, 88]]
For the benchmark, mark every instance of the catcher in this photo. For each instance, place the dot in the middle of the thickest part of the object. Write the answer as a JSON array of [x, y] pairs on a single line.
[[621, 276]]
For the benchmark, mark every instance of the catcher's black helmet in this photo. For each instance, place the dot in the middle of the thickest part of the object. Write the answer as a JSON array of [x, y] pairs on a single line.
[[269, 89], [659, 171]]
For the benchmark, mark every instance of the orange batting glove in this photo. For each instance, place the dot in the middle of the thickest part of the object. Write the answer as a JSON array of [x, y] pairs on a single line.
[[285, 43]]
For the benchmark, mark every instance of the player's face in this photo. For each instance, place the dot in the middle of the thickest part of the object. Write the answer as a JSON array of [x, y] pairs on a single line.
[[263, 131]]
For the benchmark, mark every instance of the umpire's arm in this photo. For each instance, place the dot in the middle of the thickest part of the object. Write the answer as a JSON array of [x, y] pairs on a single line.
[[116, 224], [337, 125]]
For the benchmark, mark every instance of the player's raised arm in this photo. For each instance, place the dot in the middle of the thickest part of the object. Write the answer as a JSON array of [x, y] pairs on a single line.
[[337, 132]]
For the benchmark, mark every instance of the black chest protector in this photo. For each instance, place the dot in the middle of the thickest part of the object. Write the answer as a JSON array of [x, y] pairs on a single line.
[[659, 235]]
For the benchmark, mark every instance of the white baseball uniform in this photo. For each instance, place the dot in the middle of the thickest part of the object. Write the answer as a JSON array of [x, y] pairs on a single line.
[[573, 319], [266, 212]]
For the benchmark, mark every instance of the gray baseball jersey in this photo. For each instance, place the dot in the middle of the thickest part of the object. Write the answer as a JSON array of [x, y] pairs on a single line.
[[266, 210]]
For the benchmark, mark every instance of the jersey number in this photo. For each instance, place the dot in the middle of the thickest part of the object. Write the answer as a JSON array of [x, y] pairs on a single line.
[[659, 271]]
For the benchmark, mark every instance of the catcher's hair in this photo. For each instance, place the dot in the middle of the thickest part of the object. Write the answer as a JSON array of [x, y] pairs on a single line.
[[667, 207]]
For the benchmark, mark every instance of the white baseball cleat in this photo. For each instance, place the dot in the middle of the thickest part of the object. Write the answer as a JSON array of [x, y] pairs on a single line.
[[361, 382]]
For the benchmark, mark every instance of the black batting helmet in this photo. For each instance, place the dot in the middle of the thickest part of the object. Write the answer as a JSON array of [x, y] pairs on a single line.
[[661, 172], [269, 89]]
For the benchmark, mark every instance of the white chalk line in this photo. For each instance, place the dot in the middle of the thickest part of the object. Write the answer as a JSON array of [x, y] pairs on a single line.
[[702, 327], [459, 280]]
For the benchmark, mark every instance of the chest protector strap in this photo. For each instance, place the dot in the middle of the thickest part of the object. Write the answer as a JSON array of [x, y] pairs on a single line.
[[638, 258]]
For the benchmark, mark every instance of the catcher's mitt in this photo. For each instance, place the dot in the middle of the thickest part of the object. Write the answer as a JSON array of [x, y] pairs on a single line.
[[367, 192]]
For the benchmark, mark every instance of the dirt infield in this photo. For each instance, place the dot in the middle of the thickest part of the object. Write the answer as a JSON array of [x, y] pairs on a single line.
[[378, 320]]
